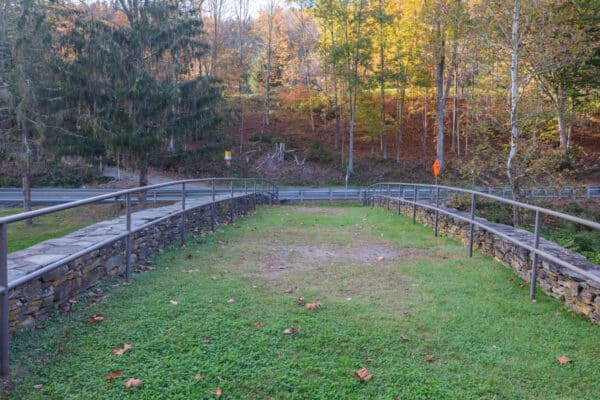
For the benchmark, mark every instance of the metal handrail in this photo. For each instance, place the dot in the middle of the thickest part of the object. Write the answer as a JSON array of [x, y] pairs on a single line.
[[258, 186], [384, 190]]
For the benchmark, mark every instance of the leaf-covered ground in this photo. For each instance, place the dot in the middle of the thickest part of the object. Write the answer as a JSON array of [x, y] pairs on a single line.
[[423, 320]]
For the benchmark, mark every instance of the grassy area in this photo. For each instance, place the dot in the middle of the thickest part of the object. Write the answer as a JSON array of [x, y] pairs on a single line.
[[58, 224], [426, 321]]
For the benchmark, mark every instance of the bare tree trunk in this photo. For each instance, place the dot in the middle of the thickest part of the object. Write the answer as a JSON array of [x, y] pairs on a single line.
[[143, 180], [270, 16], [454, 114], [400, 118], [425, 112], [514, 103]]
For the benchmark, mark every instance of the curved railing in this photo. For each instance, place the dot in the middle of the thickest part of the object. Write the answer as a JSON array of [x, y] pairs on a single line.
[[216, 186], [429, 197]]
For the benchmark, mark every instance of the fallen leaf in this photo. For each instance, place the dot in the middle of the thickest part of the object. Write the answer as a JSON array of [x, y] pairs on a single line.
[[291, 330], [127, 283], [300, 301], [258, 325], [65, 308], [231, 301], [95, 318], [313, 306], [218, 392], [429, 358], [120, 352], [404, 338], [114, 375], [206, 340], [39, 327], [380, 258], [363, 375], [406, 314], [133, 382], [197, 376], [370, 359], [563, 360], [173, 302], [189, 256], [38, 386], [290, 290]]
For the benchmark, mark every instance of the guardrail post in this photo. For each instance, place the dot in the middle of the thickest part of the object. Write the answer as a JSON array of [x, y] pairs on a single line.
[[415, 196], [330, 194], [245, 197], [437, 213], [471, 225], [4, 368], [212, 206], [183, 213], [301, 195], [154, 193], [398, 210], [128, 238], [536, 243], [231, 206], [254, 196]]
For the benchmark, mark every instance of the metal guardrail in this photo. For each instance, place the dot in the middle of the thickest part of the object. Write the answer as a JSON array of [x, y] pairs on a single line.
[[414, 194], [245, 186]]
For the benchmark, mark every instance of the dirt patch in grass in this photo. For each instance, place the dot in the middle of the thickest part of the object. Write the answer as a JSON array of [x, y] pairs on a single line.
[[288, 258], [321, 210]]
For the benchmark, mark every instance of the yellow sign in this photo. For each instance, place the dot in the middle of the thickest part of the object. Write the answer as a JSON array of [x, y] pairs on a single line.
[[228, 155]]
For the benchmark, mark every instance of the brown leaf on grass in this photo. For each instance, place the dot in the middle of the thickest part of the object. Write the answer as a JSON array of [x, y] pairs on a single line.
[[380, 258], [313, 306], [300, 301], [189, 256], [290, 290], [127, 283], [406, 314], [291, 330], [189, 271], [231, 301], [114, 375], [95, 318], [38, 386], [429, 358], [404, 338], [133, 382], [206, 340], [258, 325], [562, 360], [218, 392], [174, 302], [197, 376], [120, 352], [363, 375]]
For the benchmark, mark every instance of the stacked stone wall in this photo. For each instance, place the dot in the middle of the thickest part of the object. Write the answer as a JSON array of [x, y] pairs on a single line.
[[38, 298], [579, 293]]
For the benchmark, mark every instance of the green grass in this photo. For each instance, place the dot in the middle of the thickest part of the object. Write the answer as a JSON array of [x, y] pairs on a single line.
[[57, 224], [473, 316]]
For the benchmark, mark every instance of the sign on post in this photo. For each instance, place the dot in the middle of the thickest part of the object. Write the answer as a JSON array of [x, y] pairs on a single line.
[[228, 158], [436, 167]]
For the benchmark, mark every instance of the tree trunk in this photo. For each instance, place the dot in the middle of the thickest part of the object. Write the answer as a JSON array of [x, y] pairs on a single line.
[[143, 180], [561, 111], [514, 102], [400, 114]]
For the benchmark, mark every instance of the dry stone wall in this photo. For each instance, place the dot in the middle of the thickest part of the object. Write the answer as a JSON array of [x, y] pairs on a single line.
[[40, 297], [579, 293]]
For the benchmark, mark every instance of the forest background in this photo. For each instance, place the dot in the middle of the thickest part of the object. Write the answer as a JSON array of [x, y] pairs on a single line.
[[302, 92]]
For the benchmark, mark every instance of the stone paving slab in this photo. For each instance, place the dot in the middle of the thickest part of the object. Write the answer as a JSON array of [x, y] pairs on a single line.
[[23, 262]]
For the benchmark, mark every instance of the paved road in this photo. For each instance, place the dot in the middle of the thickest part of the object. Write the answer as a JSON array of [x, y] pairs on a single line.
[[44, 196]]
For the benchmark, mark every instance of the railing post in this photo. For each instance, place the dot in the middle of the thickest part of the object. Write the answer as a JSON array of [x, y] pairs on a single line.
[[388, 197], [330, 194], [536, 243], [128, 238], [212, 206], [231, 206], [415, 197], [437, 213], [183, 213], [301, 195], [398, 210], [4, 368], [472, 226]]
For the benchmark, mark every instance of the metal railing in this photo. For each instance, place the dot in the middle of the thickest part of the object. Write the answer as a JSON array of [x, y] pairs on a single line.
[[415, 194], [227, 186]]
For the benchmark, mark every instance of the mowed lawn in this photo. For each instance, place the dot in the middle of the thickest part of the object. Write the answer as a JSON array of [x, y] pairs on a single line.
[[425, 321]]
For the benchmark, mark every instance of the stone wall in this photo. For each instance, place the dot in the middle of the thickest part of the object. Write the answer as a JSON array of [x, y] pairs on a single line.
[[40, 297], [579, 293]]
